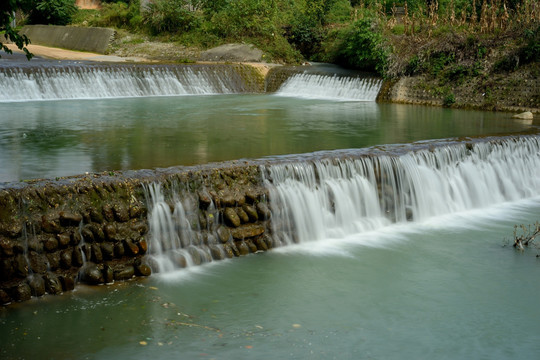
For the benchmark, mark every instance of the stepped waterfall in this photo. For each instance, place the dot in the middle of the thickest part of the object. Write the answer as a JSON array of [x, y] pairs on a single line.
[[340, 194]]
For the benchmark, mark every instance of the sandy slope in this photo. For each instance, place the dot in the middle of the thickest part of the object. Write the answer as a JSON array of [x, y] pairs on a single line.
[[63, 54]]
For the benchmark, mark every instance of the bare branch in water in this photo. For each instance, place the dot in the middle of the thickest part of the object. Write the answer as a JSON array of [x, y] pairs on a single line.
[[527, 236]]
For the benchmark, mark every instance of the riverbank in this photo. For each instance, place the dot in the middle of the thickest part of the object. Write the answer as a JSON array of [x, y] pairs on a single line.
[[518, 91], [511, 91]]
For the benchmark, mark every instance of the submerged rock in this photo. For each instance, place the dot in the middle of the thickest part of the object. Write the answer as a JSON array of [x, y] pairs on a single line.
[[68, 282], [124, 272], [52, 284], [21, 292], [108, 274], [4, 297], [527, 115], [91, 274], [37, 285]]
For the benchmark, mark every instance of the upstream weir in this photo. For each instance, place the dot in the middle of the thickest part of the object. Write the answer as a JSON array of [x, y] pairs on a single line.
[[96, 81], [86, 80], [100, 228]]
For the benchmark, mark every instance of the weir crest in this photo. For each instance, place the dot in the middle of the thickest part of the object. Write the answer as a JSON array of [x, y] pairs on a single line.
[[88, 81]]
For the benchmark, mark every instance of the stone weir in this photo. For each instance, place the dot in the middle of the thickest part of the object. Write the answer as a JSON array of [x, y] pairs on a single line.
[[100, 228], [86, 80], [95, 228], [277, 76]]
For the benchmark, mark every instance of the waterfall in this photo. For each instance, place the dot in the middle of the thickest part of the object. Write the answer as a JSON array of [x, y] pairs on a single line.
[[92, 82], [332, 198], [330, 87], [176, 236], [333, 195]]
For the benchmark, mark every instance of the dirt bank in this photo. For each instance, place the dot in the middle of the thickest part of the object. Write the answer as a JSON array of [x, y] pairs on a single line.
[[64, 54]]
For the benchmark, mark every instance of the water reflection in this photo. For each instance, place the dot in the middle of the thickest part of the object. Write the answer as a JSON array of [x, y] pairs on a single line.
[[60, 138]]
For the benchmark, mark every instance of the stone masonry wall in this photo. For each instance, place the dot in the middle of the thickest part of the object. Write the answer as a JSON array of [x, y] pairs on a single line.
[[95, 229], [516, 91]]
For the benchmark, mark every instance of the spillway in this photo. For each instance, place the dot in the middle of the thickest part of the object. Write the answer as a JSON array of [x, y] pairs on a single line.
[[119, 81], [337, 194]]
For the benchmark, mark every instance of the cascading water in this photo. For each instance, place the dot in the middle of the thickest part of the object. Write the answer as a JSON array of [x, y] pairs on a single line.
[[333, 198], [91, 82], [331, 87], [173, 242]]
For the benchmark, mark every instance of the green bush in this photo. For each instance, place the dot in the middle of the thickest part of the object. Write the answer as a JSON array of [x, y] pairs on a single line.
[[414, 66], [449, 99], [245, 18], [438, 61], [305, 34], [362, 47], [51, 12], [531, 51], [85, 16], [456, 74], [119, 14], [340, 12], [170, 16]]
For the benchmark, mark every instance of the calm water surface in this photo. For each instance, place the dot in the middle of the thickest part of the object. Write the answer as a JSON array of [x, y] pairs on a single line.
[[60, 138], [442, 289]]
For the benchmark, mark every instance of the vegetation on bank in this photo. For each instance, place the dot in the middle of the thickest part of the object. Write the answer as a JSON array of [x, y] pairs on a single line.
[[451, 41]]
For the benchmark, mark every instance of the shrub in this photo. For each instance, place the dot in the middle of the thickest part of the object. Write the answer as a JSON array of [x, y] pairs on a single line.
[[362, 47], [278, 49], [414, 66], [531, 51], [438, 61], [170, 16], [51, 12], [305, 34], [245, 18], [120, 15], [340, 12]]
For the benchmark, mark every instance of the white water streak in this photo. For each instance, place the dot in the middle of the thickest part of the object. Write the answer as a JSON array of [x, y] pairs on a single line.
[[93, 82], [173, 242], [330, 87], [331, 199]]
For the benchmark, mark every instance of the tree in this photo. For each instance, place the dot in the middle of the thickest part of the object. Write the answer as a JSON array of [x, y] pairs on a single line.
[[7, 14], [50, 12]]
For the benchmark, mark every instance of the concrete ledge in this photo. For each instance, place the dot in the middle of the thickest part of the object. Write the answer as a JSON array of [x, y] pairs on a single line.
[[69, 37]]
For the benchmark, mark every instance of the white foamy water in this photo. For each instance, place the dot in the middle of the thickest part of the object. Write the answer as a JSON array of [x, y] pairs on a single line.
[[90, 82], [173, 242], [369, 201], [330, 87], [334, 199]]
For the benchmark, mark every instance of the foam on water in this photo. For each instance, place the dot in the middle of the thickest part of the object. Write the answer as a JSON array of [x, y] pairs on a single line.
[[393, 235]]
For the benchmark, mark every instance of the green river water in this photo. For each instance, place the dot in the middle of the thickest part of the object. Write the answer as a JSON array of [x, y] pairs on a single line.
[[46, 139], [444, 288]]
